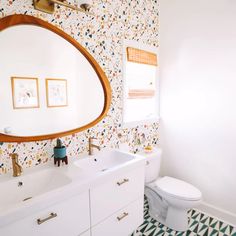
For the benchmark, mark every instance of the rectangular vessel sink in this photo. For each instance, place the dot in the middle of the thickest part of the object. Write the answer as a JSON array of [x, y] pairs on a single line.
[[104, 160], [23, 188]]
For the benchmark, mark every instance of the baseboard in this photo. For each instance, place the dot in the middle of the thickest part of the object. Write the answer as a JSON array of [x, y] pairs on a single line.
[[218, 213]]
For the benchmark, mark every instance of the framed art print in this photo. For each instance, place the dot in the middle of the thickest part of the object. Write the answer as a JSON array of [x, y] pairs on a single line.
[[56, 90], [25, 92]]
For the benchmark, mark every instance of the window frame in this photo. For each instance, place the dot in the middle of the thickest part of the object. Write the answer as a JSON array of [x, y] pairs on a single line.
[[152, 49]]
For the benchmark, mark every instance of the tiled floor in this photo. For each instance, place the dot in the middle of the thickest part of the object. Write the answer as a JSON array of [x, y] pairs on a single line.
[[199, 225]]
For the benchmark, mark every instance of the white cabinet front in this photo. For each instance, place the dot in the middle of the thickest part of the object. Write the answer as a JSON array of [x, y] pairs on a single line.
[[112, 208], [116, 193], [68, 218], [123, 222]]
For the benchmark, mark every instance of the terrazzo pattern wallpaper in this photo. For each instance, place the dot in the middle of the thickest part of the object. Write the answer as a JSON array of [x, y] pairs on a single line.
[[102, 35]]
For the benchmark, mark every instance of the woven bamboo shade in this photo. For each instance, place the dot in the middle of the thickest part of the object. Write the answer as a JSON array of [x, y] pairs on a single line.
[[141, 56], [141, 93]]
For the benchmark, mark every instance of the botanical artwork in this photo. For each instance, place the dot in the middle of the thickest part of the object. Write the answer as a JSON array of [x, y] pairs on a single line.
[[56, 92], [25, 92]]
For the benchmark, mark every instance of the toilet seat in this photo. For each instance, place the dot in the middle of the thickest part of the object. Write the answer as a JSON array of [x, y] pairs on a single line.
[[177, 188]]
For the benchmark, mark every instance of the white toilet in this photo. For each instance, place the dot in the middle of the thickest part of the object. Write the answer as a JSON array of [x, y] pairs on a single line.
[[169, 198]]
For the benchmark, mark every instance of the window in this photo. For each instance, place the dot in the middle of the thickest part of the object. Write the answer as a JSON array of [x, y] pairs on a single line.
[[141, 85]]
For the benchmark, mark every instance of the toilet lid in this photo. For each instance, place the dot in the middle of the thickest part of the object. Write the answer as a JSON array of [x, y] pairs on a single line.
[[178, 188]]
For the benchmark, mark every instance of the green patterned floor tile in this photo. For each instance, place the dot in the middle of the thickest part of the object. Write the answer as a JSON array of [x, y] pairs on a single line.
[[199, 225]]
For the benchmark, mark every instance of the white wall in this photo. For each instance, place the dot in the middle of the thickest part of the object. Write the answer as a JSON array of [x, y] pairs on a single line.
[[198, 96]]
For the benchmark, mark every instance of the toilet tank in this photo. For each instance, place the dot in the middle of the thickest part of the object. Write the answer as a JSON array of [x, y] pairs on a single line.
[[153, 164]]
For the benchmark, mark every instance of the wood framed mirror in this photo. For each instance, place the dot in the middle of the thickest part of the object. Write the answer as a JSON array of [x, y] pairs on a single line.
[[72, 91]]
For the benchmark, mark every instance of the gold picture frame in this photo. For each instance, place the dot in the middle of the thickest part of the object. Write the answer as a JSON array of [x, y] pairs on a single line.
[[56, 92], [25, 92]]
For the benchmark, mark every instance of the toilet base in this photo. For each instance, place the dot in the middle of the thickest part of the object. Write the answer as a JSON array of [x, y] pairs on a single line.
[[156, 217], [177, 219], [173, 217], [170, 210]]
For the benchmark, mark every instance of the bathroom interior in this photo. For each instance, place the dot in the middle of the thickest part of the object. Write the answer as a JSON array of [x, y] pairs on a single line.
[[117, 118]]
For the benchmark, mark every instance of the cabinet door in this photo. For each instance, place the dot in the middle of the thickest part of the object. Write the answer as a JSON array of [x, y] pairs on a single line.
[[123, 222], [116, 193], [68, 218]]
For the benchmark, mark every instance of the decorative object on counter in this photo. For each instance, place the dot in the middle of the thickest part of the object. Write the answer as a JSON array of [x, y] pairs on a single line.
[[56, 92], [25, 92], [57, 161], [148, 149], [48, 6], [60, 153]]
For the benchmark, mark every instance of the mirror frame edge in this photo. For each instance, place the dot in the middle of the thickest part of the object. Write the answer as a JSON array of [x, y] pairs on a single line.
[[18, 19]]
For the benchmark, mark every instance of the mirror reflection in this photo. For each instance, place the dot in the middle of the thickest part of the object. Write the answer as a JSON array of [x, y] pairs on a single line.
[[47, 86]]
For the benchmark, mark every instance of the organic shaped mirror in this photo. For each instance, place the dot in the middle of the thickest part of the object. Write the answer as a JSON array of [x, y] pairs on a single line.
[[50, 86]]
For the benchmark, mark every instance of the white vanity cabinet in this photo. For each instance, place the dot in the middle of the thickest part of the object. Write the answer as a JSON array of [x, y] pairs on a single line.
[[105, 203], [117, 204], [123, 222], [68, 218]]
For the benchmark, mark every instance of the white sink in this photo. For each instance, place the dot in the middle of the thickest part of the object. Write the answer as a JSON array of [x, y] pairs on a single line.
[[104, 160], [41, 187], [23, 188]]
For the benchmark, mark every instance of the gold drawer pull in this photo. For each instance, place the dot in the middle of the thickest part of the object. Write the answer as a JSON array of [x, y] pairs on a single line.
[[122, 216], [122, 182], [51, 216]]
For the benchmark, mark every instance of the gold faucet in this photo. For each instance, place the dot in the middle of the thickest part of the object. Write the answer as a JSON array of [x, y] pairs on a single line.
[[91, 146], [17, 169]]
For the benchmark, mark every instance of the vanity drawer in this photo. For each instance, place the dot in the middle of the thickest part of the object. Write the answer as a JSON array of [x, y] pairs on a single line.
[[69, 218], [123, 222], [116, 193]]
